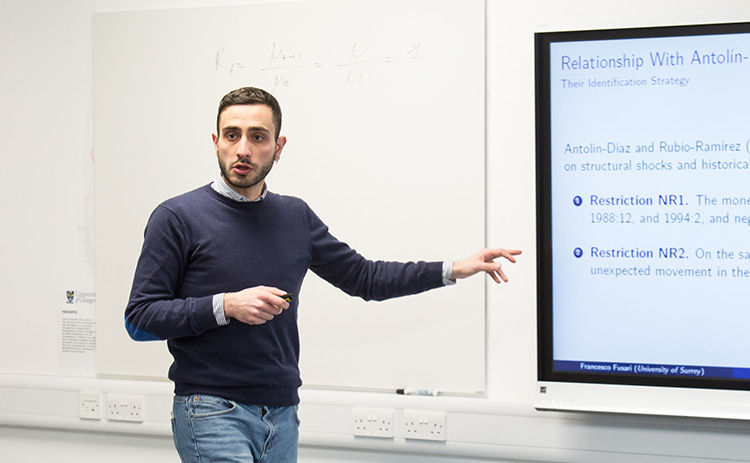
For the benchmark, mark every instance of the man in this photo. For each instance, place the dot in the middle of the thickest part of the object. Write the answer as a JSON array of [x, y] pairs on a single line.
[[216, 279]]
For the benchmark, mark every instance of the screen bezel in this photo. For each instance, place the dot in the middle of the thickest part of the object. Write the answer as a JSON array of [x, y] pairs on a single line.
[[545, 304]]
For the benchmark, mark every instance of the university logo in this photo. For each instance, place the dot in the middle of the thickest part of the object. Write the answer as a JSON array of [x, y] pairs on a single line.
[[70, 295]]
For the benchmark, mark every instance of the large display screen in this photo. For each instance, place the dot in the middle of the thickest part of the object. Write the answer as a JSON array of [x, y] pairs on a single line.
[[643, 181]]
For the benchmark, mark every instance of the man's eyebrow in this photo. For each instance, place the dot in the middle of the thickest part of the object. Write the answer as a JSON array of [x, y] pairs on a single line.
[[233, 128]]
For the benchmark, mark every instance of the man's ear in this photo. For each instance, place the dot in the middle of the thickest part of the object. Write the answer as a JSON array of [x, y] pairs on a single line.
[[280, 143]]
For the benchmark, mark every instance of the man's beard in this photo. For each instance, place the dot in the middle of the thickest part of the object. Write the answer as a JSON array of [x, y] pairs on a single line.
[[257, 175]]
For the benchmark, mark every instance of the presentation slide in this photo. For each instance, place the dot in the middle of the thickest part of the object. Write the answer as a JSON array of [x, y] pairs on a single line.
[[649, 205]]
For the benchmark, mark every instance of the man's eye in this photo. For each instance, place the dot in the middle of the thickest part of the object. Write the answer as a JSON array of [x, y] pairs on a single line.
[[230, 136], [258, 137]]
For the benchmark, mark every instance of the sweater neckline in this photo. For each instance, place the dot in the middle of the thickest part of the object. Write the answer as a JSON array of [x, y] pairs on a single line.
[[234, 203]]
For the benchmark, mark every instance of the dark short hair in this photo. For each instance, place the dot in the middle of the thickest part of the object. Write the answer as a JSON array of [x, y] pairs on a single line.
[[251, 95]]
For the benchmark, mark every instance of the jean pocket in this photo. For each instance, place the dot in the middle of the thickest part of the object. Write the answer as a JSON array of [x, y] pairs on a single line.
[[205, 406]]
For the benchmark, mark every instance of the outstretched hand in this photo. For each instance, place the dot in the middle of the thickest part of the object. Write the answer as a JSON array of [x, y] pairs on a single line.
[[484, 261]]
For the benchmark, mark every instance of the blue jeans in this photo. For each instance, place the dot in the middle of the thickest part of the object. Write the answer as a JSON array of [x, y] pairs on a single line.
[[210, 429]]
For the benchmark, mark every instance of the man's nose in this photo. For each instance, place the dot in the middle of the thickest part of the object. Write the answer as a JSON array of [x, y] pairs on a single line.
[[243, 147]]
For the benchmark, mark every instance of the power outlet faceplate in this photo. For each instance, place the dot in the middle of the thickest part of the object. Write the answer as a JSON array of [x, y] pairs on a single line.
[[372, 422], [121, 407], [90, 405], [424, 425]]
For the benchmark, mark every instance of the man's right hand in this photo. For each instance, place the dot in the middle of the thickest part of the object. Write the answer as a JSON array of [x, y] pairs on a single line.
[[255, 306]]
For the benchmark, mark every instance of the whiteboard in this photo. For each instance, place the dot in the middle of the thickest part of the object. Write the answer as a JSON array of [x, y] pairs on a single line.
[[383, 107]]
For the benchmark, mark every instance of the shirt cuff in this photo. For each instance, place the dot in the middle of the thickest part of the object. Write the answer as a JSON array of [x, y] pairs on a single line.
[[218, 303], [448, 273]]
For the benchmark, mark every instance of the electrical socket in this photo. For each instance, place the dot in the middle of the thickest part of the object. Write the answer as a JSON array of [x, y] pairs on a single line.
[[90, 405], [424, 425], [372, 422], [121, 407]]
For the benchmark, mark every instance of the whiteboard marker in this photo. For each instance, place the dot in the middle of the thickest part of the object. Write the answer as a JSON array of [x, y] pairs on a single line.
[[426, 392]]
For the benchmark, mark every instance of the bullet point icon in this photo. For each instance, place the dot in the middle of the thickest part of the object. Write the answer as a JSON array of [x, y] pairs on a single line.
[[577, 200], [578, 252]]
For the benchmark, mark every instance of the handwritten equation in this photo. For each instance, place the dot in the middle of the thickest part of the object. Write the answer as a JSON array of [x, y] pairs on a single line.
[[282, 63]]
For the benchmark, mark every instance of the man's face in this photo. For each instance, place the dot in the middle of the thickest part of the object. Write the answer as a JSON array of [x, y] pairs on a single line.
[[246, 148]]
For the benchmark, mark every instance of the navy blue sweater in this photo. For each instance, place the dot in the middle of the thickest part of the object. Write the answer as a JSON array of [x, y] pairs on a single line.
[[202, 243]]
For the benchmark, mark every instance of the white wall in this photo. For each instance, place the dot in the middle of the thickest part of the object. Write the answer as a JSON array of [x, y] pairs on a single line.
[[45, 154]]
